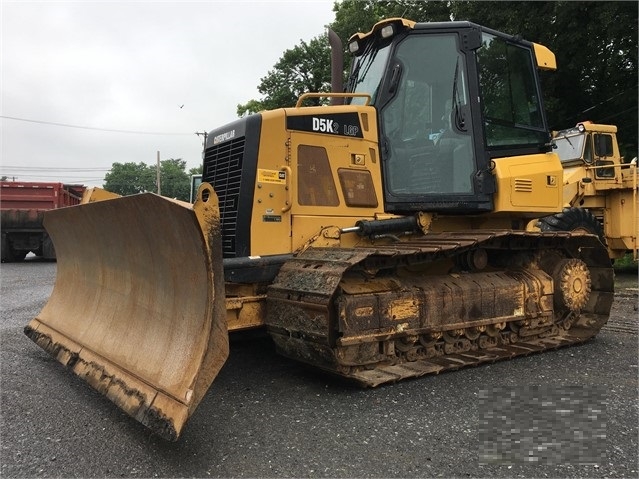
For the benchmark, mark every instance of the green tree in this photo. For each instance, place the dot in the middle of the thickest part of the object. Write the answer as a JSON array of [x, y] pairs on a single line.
[[132, 178], [129, 178], [353, 16], [304, 68], [174, 180], [596, 48], [595, 44]]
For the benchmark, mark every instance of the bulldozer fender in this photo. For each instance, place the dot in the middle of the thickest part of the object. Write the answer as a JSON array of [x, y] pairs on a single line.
[[138, 306]]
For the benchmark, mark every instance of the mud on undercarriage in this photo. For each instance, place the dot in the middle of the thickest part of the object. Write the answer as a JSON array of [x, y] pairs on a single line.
[[447, 300]]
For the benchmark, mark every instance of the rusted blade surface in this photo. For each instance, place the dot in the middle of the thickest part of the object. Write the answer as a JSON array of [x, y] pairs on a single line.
[[138, 304]]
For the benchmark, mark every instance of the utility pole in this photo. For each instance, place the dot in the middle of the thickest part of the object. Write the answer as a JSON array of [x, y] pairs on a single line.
[[203, 134], [158, 174]]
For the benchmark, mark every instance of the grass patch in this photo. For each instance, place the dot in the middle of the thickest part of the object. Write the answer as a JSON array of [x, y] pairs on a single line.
[[626, 264]]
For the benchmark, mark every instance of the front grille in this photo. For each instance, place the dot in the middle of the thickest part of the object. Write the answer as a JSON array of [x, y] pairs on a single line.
[[223, 170]]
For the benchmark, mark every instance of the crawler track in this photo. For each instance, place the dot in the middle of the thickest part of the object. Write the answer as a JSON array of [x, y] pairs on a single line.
[[444, 301]]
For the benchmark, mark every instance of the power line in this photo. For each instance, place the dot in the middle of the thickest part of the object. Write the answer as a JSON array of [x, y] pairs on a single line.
[[112, 130], [575, 115], [20, 175], [601, 120], [51, 168]]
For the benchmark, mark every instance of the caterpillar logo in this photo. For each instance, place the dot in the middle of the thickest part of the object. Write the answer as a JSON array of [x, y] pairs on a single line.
[[325, 125], [224, 137]]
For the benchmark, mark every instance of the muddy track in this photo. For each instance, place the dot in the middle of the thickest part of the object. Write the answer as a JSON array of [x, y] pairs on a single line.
[[444, 301]]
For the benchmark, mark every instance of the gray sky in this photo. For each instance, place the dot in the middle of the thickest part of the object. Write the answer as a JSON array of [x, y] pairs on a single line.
[[126, 65]]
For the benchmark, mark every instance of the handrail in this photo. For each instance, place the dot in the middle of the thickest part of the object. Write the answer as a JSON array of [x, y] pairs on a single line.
[[334, 95], [289, 194]]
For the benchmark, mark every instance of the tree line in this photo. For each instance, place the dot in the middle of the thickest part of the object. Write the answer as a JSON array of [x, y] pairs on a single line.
[[131, 178]]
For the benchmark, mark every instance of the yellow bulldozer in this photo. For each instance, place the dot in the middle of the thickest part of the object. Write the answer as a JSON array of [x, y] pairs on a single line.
[[416, 225]]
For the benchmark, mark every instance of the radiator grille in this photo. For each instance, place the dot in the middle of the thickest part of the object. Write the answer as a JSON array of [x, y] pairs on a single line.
[[223, 170]]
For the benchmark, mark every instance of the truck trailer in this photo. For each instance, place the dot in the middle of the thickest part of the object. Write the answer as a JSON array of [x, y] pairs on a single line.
[[22, 205]]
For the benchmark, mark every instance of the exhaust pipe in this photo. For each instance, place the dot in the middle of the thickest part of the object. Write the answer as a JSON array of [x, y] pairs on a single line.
[[337, 66]]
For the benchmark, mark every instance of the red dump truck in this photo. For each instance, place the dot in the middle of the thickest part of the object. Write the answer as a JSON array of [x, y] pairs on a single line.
[[22, 207]]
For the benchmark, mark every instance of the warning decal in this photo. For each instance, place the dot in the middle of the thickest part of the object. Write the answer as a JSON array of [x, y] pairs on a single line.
[[271, 176]]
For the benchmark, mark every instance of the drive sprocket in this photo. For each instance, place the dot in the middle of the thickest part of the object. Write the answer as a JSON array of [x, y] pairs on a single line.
[[573, 284]]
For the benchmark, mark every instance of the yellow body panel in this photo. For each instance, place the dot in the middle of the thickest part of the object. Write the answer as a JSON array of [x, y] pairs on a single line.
[[614, 202], [274, 226], [271, 219], [91, 195], [529, 183]]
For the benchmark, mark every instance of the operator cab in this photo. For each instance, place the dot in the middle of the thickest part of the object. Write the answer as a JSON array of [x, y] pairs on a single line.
[[450, 98], [590, 144]]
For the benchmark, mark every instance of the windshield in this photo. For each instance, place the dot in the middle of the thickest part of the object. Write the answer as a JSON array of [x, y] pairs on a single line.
[[367, 72], [569, 147]]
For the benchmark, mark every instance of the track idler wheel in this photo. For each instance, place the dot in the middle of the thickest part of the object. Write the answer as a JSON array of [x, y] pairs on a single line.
[[572, 285]]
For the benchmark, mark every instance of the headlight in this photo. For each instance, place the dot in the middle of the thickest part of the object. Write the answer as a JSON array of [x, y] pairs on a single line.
[[387, 31]]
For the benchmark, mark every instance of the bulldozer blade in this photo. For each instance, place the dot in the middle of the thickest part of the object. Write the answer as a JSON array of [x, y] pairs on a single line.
[[138, 308]]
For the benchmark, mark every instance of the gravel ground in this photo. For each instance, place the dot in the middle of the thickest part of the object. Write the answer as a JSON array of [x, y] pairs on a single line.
[[266, 416]]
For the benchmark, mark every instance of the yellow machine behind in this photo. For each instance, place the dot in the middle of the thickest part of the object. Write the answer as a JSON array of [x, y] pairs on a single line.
[[407, 229], [599, 189]]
